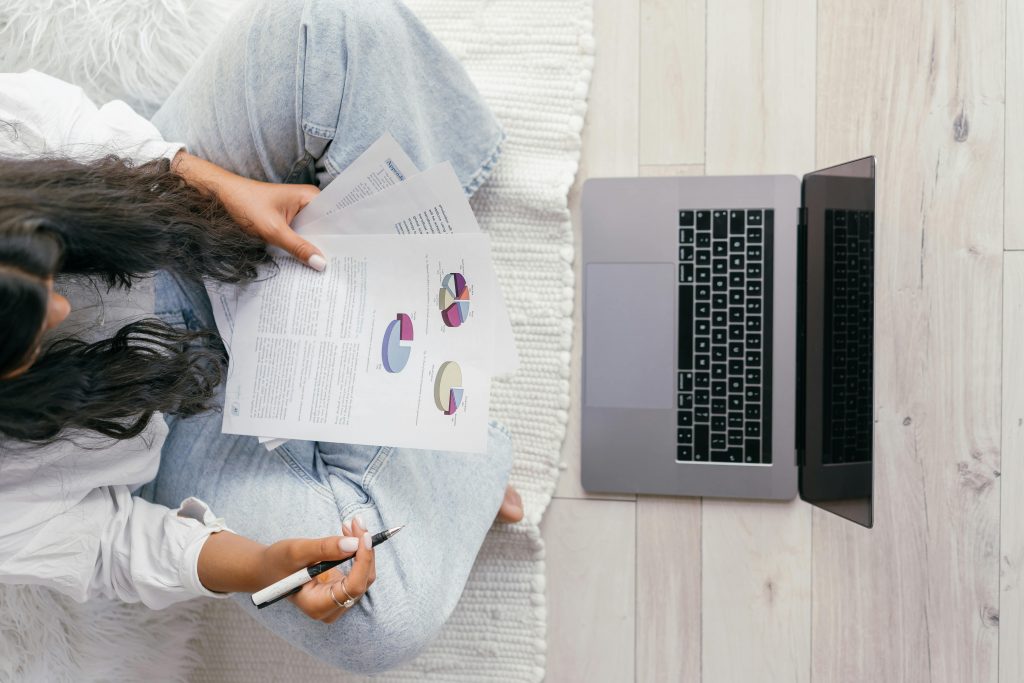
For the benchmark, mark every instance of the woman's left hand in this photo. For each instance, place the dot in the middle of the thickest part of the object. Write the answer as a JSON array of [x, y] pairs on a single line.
[[264, 209]]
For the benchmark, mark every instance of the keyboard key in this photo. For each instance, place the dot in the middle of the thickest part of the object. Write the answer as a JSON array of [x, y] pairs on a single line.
[[720, 222], [735, 437], [735, 350], [735, 455], [736, 314], [703, 221], [702, 344], [718, 335], [736, 279], [754, 323], [703, 310], [703, 292], [752, 450], [686, 218], [754, 252], [718, 423], [687, 384], [702, 380], [719, 300], [718, 406], [754, 235], [703, 276], [754, 306], [719, 283], [720, 248], [701, 397], [736, 367], [753, 393], [752, 429], [718, 371], [686, 254], [702, 326], [700, 440], [753, 270], [735, 384], [684, 418], [685, 272], [735, 420], [737, 224], [701, 414], [736, 261], [717, 441], [701, 362], [735, 244], [719, 352], [736, 297], [753, 288], [703, 257], [718, 319], [703, 239], [754, 359], [684, 453], [753, 376], [735, 402], [753, 217], [736, 332], [754, 341], [719, 266], [684, 435], [718, 389]]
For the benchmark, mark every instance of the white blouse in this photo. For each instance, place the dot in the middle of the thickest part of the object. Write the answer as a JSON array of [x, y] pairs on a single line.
[[68, 519]]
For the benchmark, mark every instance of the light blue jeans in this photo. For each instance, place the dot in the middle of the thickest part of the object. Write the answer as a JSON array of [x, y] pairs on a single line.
[[293, 91]]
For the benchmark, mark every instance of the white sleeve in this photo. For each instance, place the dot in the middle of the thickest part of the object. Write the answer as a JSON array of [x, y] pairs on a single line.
[[45, 115], [115, 545]]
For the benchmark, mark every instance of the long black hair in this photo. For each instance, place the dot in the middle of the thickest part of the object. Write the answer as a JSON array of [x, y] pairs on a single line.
[[115, 222]]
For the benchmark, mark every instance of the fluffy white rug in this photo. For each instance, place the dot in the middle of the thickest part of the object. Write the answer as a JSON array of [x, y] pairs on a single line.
[[531, 60]]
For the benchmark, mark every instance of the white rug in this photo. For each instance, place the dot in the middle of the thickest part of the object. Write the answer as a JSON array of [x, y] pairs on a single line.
[[532, 61]]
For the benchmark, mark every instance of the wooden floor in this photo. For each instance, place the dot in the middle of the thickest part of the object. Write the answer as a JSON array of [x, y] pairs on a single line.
[[659, 589]]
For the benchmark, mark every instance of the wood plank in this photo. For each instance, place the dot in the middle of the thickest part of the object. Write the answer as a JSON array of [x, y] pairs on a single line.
[[1014, 198], [668, 589], [590, 555], [757, 556], [672, 81], [915, 598], [609, 149], [1011, 481]]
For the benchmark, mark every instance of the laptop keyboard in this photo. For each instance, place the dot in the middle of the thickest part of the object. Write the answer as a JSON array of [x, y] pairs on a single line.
[[849, 285], [724, 378]]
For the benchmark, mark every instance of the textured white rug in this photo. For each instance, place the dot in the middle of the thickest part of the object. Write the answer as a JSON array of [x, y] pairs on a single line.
[[532, 61]]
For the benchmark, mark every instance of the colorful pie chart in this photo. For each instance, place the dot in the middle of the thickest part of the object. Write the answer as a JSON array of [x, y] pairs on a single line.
[[454, 299], [448, 390], [397, 345]]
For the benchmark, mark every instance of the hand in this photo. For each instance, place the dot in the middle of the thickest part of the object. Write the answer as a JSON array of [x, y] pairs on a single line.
[[264, 209], [314, 598], [267, 210]]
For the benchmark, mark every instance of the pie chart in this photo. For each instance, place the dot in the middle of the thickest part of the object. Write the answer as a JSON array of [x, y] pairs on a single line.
[[454, 299], [448, 387], [397, 343]]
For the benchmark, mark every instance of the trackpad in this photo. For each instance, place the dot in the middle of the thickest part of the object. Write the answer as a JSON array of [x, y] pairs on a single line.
[[630, 335]]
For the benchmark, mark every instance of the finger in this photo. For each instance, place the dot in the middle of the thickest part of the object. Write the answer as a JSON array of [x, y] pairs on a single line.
[[308, 551], [316, 601], [362, 567], [304, 251], [299, 196]]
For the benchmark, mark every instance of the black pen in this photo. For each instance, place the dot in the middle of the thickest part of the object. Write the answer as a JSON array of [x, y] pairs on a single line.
[[292, 583]]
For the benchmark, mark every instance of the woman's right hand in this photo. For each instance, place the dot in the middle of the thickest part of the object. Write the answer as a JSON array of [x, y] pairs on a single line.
[[315, 598]]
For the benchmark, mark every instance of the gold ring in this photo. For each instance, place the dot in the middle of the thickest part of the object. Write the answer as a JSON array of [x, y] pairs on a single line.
[[343, 605], [345, 590]]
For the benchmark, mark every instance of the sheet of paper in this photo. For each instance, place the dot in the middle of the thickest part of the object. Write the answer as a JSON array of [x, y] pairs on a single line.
[[430, 203], [382, 165], [390, 345]]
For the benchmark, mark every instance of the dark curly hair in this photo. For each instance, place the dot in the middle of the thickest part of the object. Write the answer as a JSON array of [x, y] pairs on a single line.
[[116, 222]]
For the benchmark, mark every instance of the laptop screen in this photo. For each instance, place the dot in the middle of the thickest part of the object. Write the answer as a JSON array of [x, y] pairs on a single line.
[[836, 320]]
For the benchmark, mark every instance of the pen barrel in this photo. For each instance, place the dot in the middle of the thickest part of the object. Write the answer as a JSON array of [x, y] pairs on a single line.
[[282, 587]]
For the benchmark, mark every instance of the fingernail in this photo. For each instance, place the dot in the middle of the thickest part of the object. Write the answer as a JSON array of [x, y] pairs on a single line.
[[349, 544], [367, 543], [347, 526], [317, 262]]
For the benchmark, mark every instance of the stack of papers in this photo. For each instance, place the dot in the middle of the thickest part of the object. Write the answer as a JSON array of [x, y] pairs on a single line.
[[396, 342]]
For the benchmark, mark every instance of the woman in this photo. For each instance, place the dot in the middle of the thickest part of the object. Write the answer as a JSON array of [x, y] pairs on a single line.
[[113, 470]]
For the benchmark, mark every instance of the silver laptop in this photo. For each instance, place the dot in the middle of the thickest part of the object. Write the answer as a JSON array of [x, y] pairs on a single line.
[[728, 335]]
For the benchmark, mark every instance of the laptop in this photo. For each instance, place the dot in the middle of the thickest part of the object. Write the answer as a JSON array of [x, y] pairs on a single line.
[[728, 336]]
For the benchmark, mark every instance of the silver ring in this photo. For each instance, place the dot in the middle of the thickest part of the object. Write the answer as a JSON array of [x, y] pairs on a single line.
[[343, 605]]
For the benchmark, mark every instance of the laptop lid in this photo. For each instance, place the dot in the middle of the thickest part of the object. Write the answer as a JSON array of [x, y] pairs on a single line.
[[835, 406]]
